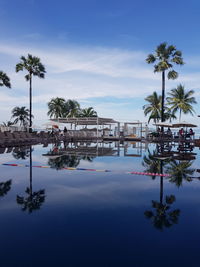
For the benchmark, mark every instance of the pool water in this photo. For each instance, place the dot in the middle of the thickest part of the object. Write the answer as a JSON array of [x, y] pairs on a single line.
[[99, 215]]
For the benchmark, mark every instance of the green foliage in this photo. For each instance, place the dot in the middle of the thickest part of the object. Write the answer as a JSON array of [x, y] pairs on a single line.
[[4, 80], [56, 107], [88, 112], [153, 109], [165, 57], [21, 114], [5, 187], [163, 217], [180, 171], [32, 65], [180, 100], [60, 108]]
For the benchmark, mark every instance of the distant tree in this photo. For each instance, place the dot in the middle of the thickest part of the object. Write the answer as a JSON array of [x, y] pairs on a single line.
[[72, 108], [165, 56], [34, 68], [21, 114], [153, 109], [56, 107], [180, 100], [8, 123], [4, 80], [88, 112]]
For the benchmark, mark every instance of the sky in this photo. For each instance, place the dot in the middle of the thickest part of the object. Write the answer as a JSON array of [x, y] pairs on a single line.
[[94, 51]]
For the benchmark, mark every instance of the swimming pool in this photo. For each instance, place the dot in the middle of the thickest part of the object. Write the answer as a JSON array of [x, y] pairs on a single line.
[[98, 215]]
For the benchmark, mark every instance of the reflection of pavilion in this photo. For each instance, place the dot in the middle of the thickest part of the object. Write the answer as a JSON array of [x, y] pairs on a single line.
[[85, 149]]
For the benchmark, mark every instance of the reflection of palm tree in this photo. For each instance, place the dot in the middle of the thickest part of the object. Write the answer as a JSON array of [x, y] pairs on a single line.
[[64, 161], [34, 200], [21, 154], [5, 187], [180, 171], [163, 217], [151, 164]]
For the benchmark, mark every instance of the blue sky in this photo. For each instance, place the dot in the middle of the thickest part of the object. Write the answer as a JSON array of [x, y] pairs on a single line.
[[94, 51]]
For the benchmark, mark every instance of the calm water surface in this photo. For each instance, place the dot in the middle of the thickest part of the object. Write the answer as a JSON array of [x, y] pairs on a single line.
[[56, 217]]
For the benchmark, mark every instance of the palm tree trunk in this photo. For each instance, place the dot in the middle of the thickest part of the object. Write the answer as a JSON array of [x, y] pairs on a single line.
[[30, 107], [180, 116], [163, 97]]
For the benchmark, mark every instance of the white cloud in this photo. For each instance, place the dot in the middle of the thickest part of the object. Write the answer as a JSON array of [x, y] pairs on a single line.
[[82, 73]]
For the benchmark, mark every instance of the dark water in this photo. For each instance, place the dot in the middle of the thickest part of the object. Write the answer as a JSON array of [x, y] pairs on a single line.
[[90, 218]]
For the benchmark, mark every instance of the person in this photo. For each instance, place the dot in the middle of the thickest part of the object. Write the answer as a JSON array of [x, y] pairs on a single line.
[[191, 131], [181, 132], [65, 130], [169, 132]]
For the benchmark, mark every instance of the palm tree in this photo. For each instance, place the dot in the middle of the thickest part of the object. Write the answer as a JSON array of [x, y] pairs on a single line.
[[165, 56], [4, 80], [72, 108], [88, 112], [34, 68], [8, 123], [21, 114], [153, 107], [180, 100], [56, 107]]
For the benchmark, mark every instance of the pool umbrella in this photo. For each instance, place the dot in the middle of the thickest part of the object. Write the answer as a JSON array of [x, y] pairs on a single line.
[[163, 124], [51, 124], [183, 124]]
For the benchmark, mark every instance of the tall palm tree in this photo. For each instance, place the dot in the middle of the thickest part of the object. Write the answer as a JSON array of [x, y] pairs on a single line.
[[180, 100], [72, 108], [34, 68], [88, 112], [4, 80], [153, 107], [21, 114], [165, 56], [56, 107]]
